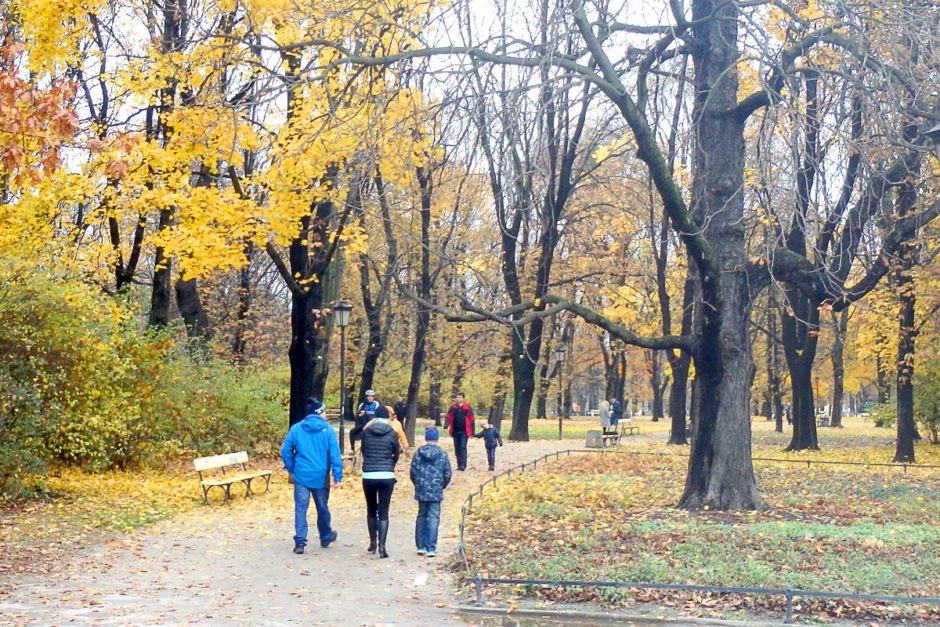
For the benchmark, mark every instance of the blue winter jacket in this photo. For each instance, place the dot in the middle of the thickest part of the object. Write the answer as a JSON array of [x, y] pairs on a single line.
[[310, 450], [430, 472], [490, 437]]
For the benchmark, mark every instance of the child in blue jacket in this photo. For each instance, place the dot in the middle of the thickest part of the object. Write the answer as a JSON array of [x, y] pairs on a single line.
[[491, 439]]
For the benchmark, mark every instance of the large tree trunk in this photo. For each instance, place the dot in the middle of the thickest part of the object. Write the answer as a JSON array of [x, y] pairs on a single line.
[[677, 399], [302, 353], [840, 323], [907, 295], [239, 340], [434, 400], [774, 364], [545, 382], [523, 384], [498, 399], [194, 316], [679, 363], [721, 473], [374, 346], [160, 300], [800, 338], [657, 386], [425, 183]]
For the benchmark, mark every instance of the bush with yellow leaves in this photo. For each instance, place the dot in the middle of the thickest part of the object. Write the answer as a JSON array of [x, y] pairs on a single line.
[[82, 385]]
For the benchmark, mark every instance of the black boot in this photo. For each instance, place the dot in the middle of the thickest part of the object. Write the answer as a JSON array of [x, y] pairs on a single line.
[[383, 533], [373, 531]]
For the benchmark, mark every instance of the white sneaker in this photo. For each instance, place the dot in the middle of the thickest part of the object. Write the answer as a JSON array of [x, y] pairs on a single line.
[[421, 551], [432, 554]]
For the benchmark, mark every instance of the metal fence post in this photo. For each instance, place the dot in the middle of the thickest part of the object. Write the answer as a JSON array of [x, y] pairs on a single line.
[[479, 585], [789, 618]]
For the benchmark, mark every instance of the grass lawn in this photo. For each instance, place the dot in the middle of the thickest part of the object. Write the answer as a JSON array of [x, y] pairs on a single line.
[[841, 528]]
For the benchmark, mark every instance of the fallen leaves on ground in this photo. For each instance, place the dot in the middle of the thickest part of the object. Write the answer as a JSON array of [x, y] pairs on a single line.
[[865, 529]]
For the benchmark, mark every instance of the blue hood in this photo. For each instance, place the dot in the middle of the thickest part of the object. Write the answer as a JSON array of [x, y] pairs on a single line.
[[310, 451], [314, 423]]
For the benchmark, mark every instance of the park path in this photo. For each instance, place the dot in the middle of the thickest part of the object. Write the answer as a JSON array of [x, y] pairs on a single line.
[[234, 565]]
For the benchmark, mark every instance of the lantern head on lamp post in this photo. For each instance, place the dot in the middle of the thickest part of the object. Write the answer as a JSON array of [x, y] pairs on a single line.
[[341, 310], [560, 358]]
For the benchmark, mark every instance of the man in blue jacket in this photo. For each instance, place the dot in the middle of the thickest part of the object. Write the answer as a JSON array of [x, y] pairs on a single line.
[[310, 451]]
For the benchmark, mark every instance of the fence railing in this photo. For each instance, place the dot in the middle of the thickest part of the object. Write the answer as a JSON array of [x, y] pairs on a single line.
[[902, 465], [788, 593]]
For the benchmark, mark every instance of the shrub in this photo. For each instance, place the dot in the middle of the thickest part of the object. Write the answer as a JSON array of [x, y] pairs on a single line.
[[927, 398], [81, 384], [885, 414]]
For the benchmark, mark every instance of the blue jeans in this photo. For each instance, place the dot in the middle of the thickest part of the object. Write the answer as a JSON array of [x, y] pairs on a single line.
[[301, 502], [429, 517]]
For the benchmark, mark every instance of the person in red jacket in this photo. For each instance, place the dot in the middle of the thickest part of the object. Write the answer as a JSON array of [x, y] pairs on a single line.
[[460, 426]]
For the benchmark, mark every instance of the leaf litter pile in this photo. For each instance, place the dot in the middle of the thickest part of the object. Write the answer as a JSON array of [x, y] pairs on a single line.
[[612, 517]]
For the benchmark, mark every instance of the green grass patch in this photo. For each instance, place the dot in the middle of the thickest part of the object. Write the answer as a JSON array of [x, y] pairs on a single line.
[[860, 530]]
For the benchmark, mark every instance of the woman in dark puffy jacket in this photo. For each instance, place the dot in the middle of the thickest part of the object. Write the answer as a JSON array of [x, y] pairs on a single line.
[[380, 449]]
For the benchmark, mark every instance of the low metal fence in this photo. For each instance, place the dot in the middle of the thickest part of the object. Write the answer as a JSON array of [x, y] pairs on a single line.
[[788, 593], [809, 462]]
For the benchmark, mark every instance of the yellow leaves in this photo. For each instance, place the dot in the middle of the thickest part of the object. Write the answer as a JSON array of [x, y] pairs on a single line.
[[53, 30], [621, 145]]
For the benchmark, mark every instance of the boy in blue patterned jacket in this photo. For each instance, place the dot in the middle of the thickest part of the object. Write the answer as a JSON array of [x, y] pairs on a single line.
[[431, 473]]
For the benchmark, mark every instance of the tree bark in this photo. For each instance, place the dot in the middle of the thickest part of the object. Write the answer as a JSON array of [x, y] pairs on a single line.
[[721, 473], [679, 363], [425, 184], [840, 323], [774, 364], [194, 316], [677, 399], [801, 318], [658, 387], [434, 401], [498, 399], [907, 296], [160, 293], [239, 341]]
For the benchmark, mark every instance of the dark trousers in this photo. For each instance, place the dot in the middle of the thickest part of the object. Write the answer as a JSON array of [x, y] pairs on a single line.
[[378, 497], [460, 449], [491, 457]]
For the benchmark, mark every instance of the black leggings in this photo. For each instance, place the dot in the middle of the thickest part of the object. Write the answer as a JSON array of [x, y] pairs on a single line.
[[378, 497]]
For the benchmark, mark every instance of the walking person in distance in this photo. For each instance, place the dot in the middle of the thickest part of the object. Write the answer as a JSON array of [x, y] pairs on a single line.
[[491, 439], [460, 426]]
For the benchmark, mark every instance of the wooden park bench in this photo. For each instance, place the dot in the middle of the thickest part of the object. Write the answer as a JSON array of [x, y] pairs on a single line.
[[225, 481], [628, 428]]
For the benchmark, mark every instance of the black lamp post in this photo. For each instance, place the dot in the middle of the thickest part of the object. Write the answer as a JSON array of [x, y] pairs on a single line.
[[341, 311], [560, 358]]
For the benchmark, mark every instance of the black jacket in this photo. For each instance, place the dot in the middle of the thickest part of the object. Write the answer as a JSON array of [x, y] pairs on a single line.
[[380, 448], [401, 410]]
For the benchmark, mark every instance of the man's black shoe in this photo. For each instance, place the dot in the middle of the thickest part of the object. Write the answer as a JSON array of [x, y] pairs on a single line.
[[331, 540], [298, 549]]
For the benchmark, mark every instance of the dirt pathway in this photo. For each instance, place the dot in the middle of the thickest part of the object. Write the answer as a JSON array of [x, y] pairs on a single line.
[[234, 565]]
